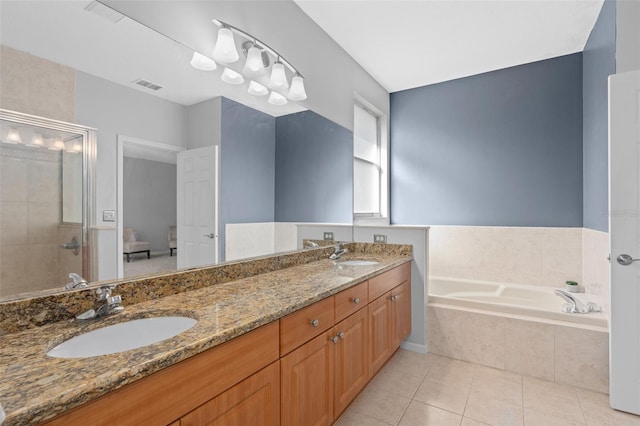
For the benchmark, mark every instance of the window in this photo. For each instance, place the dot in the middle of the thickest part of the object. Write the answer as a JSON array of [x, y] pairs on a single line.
[[369, 164]]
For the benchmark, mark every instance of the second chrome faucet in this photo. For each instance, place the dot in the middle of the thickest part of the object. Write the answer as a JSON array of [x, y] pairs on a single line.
[[105, 304]]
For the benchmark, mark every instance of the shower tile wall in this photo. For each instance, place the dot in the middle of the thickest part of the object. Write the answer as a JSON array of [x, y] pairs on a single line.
[[29, 219], [535, 256]]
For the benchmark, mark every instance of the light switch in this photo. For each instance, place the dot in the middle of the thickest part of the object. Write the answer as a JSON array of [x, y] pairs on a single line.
[[109, 215], [328, 236]]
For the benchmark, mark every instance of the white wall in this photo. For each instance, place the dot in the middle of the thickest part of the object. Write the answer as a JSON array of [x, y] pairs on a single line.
[[114, 109], [627, 35]]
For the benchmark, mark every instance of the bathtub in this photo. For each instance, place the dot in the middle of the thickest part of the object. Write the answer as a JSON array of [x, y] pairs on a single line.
[[538, 303]]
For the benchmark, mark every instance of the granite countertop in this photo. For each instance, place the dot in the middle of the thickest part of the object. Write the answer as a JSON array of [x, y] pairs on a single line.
[[35, 387]]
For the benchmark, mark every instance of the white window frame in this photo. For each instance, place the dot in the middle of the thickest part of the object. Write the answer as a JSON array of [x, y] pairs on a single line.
[[382, 216]]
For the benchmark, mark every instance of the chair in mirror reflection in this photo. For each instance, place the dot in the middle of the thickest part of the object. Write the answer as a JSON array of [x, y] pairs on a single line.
[[173, 240], [132, 246]]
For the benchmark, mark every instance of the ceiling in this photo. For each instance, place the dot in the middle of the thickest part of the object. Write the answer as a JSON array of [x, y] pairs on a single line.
[[402, 44], [122, 52], [406, 44]]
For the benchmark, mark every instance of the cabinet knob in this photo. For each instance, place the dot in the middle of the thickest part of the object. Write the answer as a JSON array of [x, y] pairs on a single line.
[[341, 335], [356, 300], [393, 298], [334, 339], [315, 322]]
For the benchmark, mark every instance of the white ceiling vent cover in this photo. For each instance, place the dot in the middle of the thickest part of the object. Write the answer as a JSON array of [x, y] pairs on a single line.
[[146, 83]]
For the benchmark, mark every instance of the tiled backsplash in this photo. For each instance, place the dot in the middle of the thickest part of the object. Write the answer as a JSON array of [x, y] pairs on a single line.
[[522, 255]]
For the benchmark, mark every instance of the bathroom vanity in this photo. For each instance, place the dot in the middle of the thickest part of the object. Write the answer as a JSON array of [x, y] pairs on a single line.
[[293, 345]]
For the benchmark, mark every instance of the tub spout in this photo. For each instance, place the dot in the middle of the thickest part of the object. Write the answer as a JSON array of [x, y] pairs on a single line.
[[573, 305]]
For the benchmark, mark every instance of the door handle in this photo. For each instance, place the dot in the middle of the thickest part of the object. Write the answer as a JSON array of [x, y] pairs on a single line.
[[211, 235], [626, 260]]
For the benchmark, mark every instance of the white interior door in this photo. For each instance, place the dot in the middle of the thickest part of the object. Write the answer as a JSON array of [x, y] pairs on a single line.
[[624, 225], [197, 212]]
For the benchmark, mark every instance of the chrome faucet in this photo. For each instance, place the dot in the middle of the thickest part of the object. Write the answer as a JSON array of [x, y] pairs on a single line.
[[106, 304], [574, 305], [76, 282], [338, 252]]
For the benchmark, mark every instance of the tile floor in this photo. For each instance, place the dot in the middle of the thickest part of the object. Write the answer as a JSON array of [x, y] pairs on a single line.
[[140, 265], [418, 389]]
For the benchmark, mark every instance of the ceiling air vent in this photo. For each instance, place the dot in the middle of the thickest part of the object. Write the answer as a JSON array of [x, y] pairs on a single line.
[[147, 84]]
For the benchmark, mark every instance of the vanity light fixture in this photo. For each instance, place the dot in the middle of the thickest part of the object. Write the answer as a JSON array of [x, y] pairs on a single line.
[[259, 57], [56, 144], [202, 63], [276, 98], [13, 137], [36, 140], [225, 48], [232, 77], [257, 89]]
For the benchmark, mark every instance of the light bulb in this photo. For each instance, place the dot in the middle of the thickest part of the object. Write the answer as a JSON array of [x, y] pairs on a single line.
[[231, 77], [225, 48], [278, 78], [257, 89], [13, 136], [254, 64], [201, 62], [36, 140], [297, 92], [56, 144], [76, 147], [276, 98]]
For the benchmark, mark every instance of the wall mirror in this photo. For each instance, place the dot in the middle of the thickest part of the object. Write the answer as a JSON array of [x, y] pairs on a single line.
[[75, 36]]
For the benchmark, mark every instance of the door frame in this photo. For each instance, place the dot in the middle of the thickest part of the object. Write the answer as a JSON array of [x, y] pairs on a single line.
[[122, 141]]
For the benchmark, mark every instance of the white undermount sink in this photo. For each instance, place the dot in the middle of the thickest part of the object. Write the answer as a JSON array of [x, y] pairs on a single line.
[[122, 337], [359, 262]]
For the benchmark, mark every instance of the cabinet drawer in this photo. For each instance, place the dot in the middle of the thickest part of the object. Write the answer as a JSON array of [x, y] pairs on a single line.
[[383, 283], [350, 300], [305, 324]]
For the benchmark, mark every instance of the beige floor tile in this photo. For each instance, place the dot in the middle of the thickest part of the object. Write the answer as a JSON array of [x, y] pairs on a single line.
[[597, 411], [495, 397], [353, 418], [419, 414], [383, 406], [466, 421], [445, 370], [450, 395], [411, 363], [547, 403], [395, 382]]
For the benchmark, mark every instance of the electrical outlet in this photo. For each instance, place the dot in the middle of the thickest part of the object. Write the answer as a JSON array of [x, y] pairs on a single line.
[[328, 236], [379, 238], [109, 215]]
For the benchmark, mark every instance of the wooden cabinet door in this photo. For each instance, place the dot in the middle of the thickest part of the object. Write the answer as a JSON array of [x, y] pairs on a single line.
[[254, 401], [401, 313], [352, 360], [307, 383], [380, 328]]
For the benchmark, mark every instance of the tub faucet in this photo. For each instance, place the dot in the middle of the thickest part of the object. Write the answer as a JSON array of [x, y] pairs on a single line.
[[338, 252], [76, 282], [573, 305], [106, 304]]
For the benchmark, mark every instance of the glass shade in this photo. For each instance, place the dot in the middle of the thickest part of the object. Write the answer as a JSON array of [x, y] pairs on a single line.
[[36, 140], [201, 62], [57, 144], [278, 78], [13, 136], [257, 89], [297, 92], [225, 48], [254, 64], [232, 77], [276, 98]]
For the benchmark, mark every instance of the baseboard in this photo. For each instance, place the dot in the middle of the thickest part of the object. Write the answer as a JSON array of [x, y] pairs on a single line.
[[414, 347]]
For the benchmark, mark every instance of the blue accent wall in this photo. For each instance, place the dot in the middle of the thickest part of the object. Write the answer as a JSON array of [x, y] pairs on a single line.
[[598, 62], [314, 170], [247, 166], [502, 148]]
